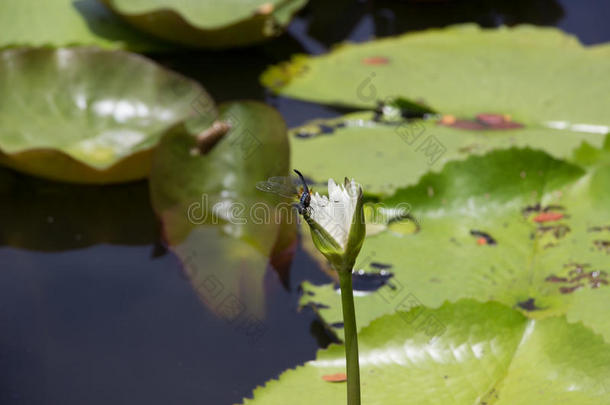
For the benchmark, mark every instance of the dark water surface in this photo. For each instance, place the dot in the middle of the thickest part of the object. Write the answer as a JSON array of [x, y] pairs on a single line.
[[93, 310]]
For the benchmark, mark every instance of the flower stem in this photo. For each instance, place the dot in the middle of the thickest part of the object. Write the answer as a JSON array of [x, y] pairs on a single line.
[[351, 337]]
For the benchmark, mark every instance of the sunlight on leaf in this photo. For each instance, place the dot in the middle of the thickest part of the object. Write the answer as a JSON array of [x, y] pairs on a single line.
[[536, 75], [463, 353], [542, 268], [71, 115]]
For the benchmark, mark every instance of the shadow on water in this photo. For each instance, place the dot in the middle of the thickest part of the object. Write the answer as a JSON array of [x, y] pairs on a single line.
[[332, 22], [105, 24], [109, 324], [50, 216], [98, 319], [234, 74]]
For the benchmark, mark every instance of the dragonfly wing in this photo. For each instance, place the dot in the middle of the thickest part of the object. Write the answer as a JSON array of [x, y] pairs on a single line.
[[280, 185]]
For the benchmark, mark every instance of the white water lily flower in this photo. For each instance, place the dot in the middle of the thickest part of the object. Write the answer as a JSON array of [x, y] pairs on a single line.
[[337, 223], [338, 229], [336, 211]]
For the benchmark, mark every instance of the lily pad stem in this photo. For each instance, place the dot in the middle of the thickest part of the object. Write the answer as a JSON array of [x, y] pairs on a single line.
[[351, 336]]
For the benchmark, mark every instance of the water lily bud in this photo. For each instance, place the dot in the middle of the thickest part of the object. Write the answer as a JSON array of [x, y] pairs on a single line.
[[337, 223]]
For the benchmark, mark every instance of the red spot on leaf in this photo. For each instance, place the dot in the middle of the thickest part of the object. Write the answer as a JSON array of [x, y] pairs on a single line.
[[492, 119], [465, 124], [339, 377], [548, 217], [569, 290], [375, 60], [483, 238], [447, 120], [556, 279], [482, 122], [507, 125]]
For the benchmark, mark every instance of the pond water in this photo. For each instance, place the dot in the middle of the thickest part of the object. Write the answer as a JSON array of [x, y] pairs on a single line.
[[94, 310]]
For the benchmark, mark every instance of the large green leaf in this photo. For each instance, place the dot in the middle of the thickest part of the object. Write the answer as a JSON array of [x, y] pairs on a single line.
[[537, 75], [88, 115], [206, 23], [464, 353], [211, 212], [557, 266], [67, 22], [384, 156]]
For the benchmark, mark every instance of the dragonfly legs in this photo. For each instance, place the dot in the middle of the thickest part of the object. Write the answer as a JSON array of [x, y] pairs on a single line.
[[302, 209]]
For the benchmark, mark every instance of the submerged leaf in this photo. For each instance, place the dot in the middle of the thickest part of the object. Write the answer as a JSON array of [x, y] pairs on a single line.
[[220, 226]]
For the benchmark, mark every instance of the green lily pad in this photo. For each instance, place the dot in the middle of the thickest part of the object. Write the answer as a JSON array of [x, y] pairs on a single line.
[[210, 24], [80, 115], [462, 353], [536, 75], [68, 22], [515, 226], [386, 156], [213, 216]]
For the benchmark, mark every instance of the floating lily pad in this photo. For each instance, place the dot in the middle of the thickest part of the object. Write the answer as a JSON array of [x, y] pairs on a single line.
[[221, 227], [536, 75], [208, 23], [66, 23], [514, 226], [384, 156], [464, 353], [87, 115]]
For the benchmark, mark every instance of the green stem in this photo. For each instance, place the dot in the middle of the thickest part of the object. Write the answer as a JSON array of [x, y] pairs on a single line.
[[351, 337]]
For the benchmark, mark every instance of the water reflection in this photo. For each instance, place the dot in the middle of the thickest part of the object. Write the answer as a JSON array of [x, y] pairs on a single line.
[[330, 22], [44, 215], [108, 324]]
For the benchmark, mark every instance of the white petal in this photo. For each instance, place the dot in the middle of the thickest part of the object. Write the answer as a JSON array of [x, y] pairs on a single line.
[[335, 213]]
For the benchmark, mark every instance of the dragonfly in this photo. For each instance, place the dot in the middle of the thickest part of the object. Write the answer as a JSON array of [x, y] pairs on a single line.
[[289, 187]]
